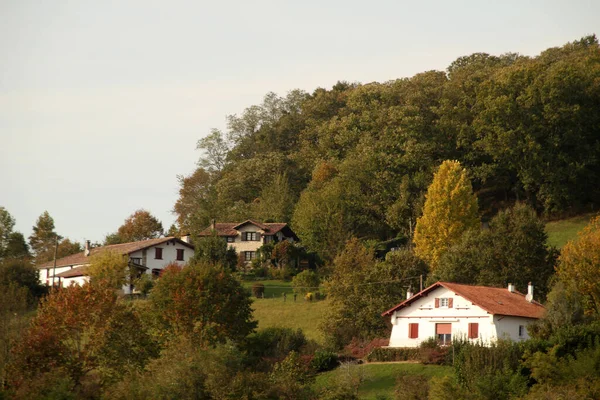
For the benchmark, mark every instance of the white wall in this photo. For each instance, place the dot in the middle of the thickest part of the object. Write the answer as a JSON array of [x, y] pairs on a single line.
[[45, 275], [423, 312], [169, 254], [77, 280]]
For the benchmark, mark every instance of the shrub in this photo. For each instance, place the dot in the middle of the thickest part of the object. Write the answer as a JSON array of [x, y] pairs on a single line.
[[324, 361], [305, 282], [275, 342], [309, 296], [258, 290], [386, 354], [411, 387]]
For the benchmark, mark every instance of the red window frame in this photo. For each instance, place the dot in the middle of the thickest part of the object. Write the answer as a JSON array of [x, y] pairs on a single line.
[[158, 253], [413, 331], [473, 330], [180, 253]]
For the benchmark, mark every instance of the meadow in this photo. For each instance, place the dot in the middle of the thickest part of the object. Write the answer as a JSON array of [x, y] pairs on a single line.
[[561, 231]]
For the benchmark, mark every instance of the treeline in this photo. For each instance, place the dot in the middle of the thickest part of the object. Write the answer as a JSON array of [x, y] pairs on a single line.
[[356, 160]]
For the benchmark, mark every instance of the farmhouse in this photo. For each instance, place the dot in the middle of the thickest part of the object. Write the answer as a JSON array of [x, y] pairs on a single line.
[[445, 310], [249, 236], [147, 256]]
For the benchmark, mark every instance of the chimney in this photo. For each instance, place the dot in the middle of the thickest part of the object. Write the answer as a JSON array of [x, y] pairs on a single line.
[[87, 248], [213, 224], [409, 293], [511, 288], [529, 296]]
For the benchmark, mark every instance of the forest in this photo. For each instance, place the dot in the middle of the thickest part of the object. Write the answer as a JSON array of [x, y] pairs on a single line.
[[356, 160], [456, 170]]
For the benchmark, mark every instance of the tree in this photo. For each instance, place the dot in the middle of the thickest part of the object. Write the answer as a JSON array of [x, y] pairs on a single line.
[[43, 239], [21, 273], [213, 250], [215, 149], [276, 201], [579, 266], [80, 329], [140, 225], [109, 268], [66, 247], [196, 204], [204, 302], [450, 209], [512, 250], [360, 288], [17, 246], [7, 223]]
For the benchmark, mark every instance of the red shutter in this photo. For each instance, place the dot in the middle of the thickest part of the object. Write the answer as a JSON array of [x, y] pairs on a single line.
[[450, 302], [413, 331], [437, 303], [443, 328], [473, 330]]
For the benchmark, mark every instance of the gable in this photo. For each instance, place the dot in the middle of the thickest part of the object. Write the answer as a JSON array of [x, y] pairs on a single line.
[[430, 306]]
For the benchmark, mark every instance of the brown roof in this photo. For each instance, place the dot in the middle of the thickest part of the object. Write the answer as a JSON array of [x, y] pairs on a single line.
[[123, 248], [77, 271], [493, 300], [229, 228]]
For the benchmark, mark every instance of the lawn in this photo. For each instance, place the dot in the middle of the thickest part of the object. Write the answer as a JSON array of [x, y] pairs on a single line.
[[560, 232], [273, 288], [302, 314], [380, 379]]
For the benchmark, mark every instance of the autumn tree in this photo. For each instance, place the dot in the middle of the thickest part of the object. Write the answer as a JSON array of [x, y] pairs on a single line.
[[109, 268], [43, 239], [450, 209], [203, 301], [579, 266], [213, 250], [140, 225], [197, 202], [66, 247], [7, 223], [83, 333]]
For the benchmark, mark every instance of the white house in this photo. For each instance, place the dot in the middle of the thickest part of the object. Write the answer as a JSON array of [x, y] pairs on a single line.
[[445, 310], [249, 236], [148, 256]]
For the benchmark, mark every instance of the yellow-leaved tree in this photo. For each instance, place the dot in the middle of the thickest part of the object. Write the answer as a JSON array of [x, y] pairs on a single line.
[[579, 266], [450, 209]]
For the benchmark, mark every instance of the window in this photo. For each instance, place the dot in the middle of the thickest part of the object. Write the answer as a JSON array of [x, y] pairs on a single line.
[[230, 239], [444, 302], [251, 236], [473, 330], [158, 253], [413, 331], [444, 333], [268, 238], [155, 272], [179, 254], [249, 255], [521, 330]]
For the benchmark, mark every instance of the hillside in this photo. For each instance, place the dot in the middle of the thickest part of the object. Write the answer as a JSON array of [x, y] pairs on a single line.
[[561, 231]]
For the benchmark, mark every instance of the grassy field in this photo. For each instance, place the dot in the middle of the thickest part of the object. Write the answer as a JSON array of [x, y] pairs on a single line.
[[560, 232], [273, 288], [380, 379]]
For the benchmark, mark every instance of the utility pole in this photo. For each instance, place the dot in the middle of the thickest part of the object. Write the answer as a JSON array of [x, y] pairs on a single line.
[[421, 283], [54, 269]]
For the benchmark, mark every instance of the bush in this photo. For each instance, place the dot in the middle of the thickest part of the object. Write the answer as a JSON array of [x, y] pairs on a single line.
[[324, 361], [411, 387], [275, 342], [305, 282], [386, 354], [309, 296], [258, 290]]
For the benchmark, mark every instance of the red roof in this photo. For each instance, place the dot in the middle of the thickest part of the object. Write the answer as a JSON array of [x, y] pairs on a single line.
[[123, 248], [493, 300], [230, 228]]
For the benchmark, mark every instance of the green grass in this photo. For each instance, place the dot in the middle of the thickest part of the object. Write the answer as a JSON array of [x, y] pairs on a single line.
[[380, 379], [560, 232], [273, 288], [301, 314]]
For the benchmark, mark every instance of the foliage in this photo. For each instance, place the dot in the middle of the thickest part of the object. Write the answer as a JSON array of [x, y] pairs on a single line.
[[7, 223], [359, 289], [450, 209], [13, 321], [215, 149], [411, 387], [66, 247], [141, 225], [579, 266], [22, 274], [291, 379], [276, 201], [110, 268], [80, 329], [387, 354], [16, 247], [512, 250], [324, 361], [43, 239], [144, 283], [204, 302], [306, 281], [275, 342], [213, 250]]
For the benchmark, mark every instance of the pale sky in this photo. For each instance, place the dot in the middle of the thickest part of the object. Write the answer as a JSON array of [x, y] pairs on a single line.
[[102, 102]]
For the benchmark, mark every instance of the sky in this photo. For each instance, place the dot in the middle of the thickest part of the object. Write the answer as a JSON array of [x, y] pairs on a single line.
[[102, 102]]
